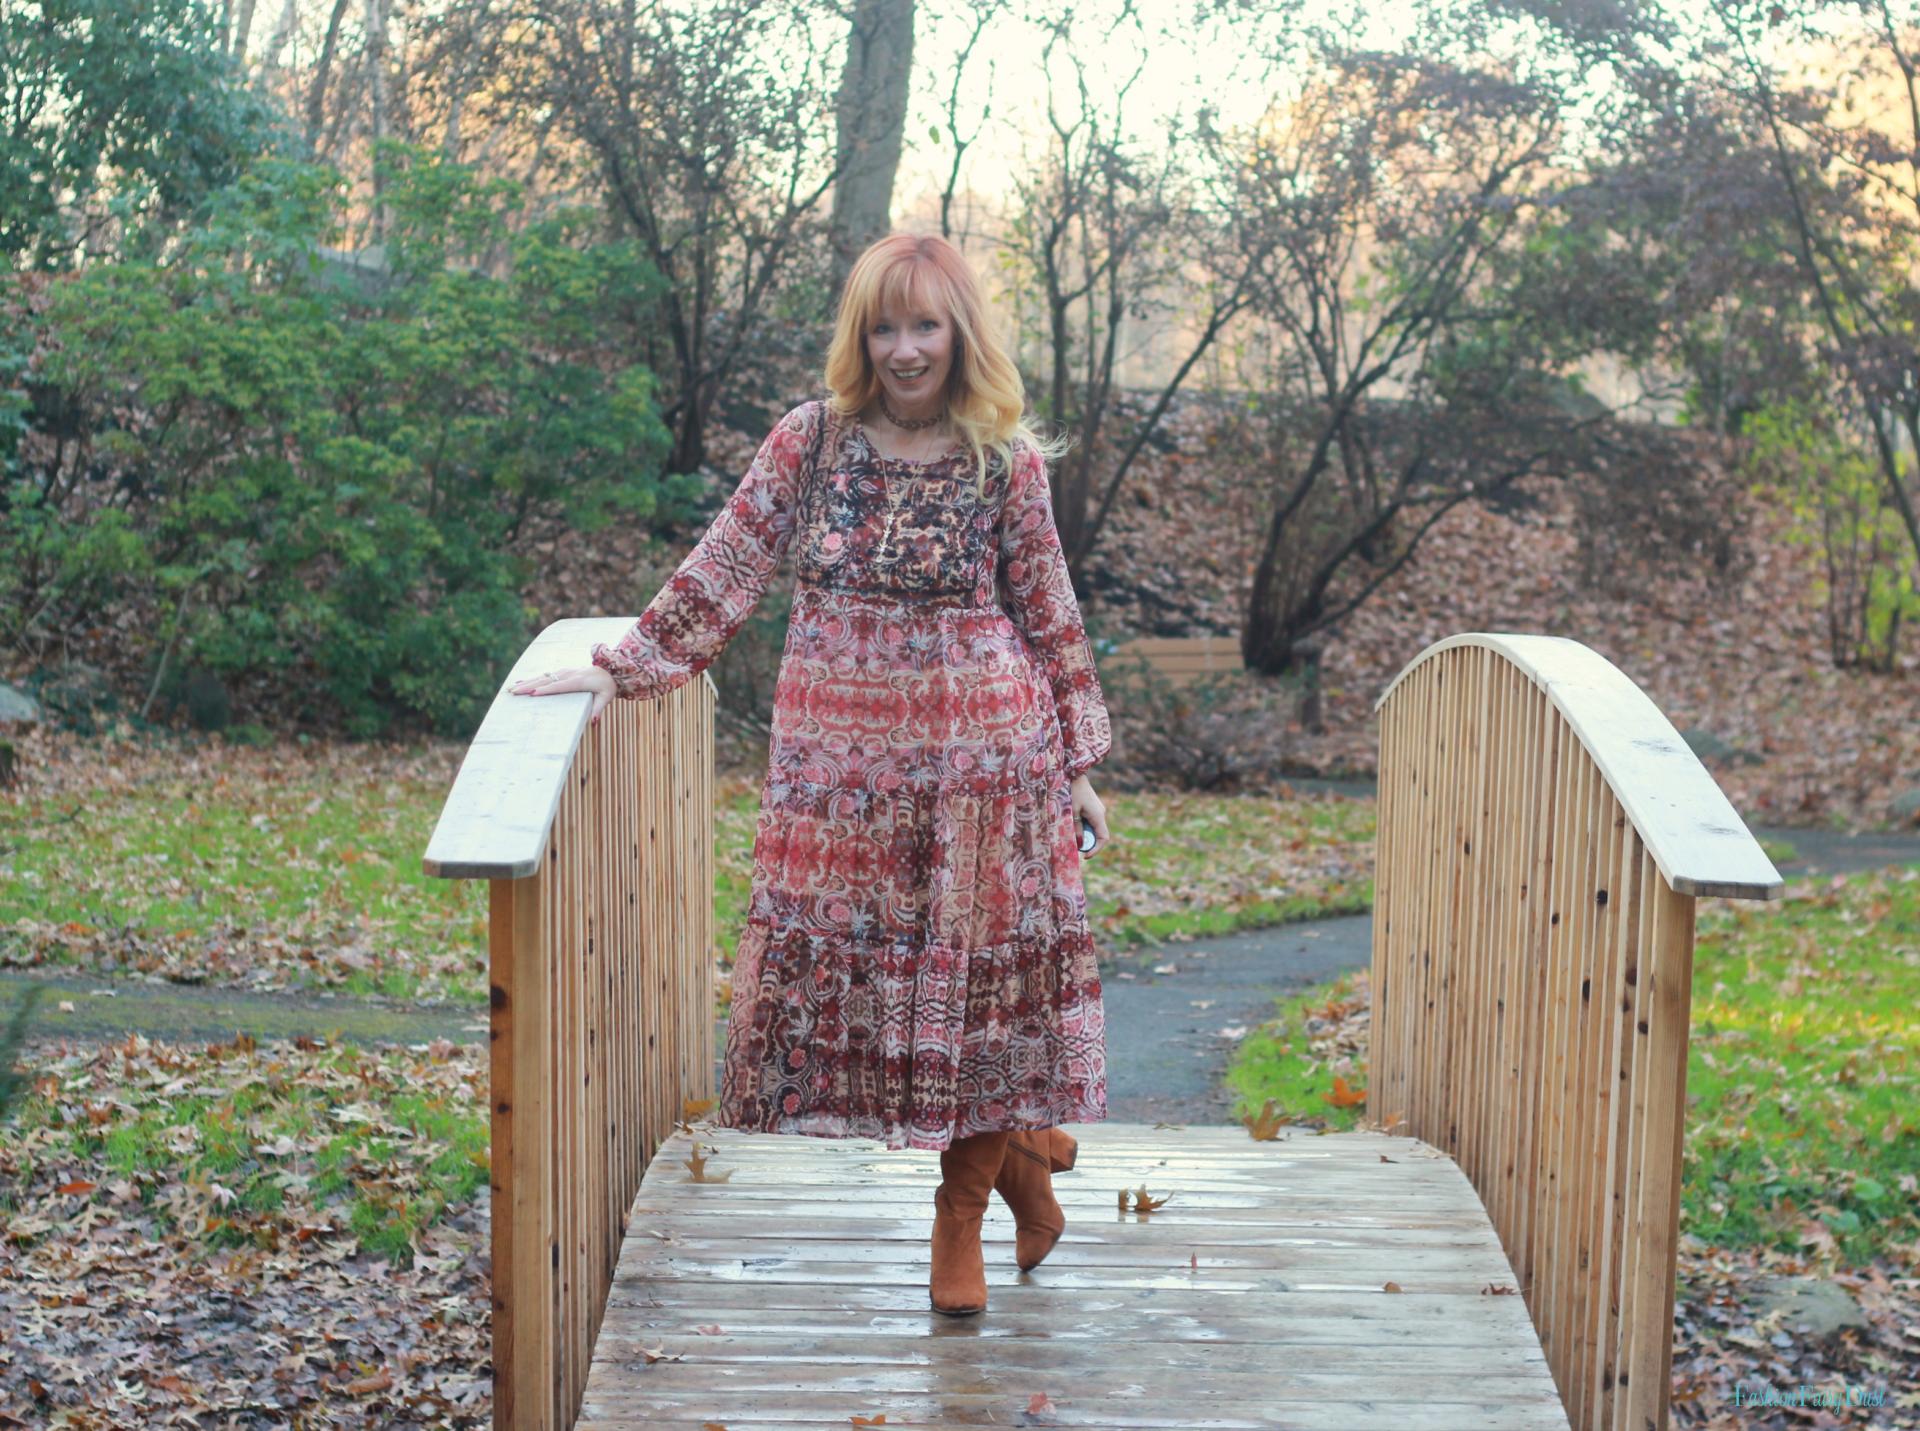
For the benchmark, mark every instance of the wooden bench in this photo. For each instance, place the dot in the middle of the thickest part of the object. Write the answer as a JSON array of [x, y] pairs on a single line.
[[1178, 658]]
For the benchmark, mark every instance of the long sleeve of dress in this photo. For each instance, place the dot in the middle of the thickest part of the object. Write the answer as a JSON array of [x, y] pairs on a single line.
[[708, 597], [1041, 603]]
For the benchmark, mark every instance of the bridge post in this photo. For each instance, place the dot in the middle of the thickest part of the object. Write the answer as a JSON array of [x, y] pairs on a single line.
[[597, 845]]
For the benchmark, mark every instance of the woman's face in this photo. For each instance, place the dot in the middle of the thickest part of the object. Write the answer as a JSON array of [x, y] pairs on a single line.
[[913, 353]]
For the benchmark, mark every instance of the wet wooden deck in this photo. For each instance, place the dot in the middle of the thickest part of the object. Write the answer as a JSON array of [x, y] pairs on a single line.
[[795, 1293]]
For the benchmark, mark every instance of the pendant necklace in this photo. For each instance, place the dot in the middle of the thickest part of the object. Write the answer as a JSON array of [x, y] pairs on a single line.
[[893, 498]]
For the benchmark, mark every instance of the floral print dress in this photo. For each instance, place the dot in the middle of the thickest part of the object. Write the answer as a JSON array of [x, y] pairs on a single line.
[[916, 965]]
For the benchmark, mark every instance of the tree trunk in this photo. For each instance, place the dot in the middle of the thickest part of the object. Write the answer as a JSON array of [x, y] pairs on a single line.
[[317, 90], [1275, 636], [242, 28], [377, 104], [282, 32], [872, 111]]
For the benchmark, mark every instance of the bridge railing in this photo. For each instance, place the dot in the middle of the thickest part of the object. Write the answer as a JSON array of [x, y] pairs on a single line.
[[597, 845], [1543, 836]]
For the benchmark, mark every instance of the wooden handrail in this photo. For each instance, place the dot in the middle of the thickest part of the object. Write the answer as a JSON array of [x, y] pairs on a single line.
[[598, 846], [1543, 836]]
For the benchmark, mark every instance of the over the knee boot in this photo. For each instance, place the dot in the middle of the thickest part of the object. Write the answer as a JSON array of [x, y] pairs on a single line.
[[968, 1167], [1026, 1183]]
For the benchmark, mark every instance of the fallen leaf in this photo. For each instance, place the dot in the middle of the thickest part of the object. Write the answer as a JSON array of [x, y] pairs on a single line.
[[381, 1380], [1344, 1096]]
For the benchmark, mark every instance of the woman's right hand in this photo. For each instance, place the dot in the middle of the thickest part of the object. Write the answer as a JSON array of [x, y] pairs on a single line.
[[573, 678]]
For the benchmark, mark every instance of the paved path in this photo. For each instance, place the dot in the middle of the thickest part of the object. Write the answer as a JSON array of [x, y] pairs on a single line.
[[1165, 1055], [107, 1008]]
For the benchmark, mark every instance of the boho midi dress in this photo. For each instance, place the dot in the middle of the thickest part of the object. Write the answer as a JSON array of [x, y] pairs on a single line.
[[916, 964]]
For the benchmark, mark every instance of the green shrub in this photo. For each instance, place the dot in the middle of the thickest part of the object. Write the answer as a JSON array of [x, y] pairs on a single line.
[[264, 462]]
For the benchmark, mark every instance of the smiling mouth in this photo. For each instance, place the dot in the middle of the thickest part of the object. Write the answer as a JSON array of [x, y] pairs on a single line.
[[911, 376]]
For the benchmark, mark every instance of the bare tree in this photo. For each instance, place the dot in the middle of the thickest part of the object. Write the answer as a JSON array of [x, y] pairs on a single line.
[[283, 31], [1412, 365], [376, 64], [1789, 210], [323, 76], [980, 15], [1855, 233], [708, 137], [1108, 232], [872, 113], [242, 29]]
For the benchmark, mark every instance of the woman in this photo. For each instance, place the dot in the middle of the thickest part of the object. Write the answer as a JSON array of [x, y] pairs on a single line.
[[916, 965]]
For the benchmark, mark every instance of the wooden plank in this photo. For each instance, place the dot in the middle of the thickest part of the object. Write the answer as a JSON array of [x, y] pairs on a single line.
[[691, 1228], [1322, 1319], [1093, 1359], [1171, 1373], [644, 1258], [1426, 1316], [813, 1308], [495, 820], [1659, 1231], [1193, 646], [565, 1050], [1198, 1410], [518, 1036], [1586, 1152]]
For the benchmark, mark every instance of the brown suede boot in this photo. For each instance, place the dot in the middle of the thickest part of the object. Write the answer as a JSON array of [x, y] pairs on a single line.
[[1026, 1183], [968, 1167], [1061, 1149]]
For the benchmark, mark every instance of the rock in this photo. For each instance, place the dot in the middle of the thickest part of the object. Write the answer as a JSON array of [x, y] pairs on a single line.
[[16, 706], [1813, 1307]]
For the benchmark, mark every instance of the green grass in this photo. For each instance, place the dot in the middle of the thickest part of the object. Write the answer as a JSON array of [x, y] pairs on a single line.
[[311, 873], [1279, 1060], [1187, 866], [390, 1141], [308, 873], [1801, 1073], [1801, 1077]]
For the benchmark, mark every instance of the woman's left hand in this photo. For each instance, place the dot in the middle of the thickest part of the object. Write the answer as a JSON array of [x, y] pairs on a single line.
[[1085, 802]]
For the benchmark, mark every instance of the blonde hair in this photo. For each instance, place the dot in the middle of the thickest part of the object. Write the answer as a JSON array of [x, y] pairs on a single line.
[[986, 400]]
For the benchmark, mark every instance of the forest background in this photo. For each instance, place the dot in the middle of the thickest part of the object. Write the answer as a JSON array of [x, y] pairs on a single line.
[[344, 344]]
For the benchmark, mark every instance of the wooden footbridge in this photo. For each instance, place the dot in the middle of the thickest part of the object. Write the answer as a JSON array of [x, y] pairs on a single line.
[[1496, 1251]]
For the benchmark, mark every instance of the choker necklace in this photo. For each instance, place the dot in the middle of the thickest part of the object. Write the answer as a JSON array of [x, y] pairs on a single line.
[[907, 424]]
